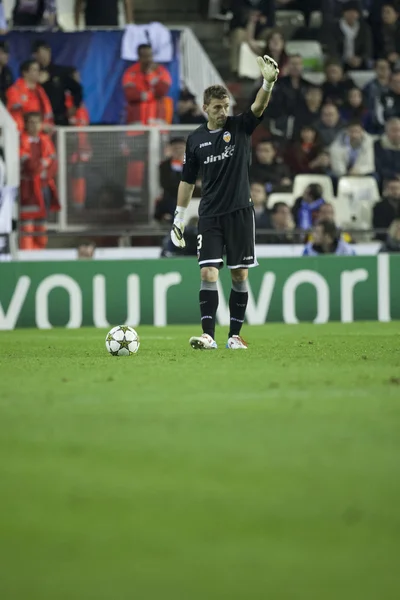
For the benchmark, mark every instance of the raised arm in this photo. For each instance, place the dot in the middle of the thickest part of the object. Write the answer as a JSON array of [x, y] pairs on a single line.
[[269, 71], [128, 5]]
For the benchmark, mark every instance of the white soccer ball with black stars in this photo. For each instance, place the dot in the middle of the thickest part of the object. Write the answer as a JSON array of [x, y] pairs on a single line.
[[122, 341]]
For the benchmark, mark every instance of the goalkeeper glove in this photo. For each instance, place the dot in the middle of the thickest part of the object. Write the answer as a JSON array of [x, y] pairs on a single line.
[[178, 227], [269, 71]]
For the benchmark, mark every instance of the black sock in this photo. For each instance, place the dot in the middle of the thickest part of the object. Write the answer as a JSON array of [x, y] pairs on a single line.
[[208, 309], [237, 309]]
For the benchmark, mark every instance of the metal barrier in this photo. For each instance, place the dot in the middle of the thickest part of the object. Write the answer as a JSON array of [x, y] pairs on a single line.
[[109, 176]]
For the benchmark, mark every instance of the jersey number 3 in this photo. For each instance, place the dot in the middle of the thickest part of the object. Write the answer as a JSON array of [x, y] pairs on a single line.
[[199, 241]]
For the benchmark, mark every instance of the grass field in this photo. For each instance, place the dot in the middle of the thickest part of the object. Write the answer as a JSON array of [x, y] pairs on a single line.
[[179, 475]]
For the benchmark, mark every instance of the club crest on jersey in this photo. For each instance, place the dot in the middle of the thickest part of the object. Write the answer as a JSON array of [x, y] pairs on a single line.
[[226, 137]]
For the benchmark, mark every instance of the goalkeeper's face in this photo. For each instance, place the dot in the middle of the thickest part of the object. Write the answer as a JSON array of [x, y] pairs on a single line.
[[217, 111]]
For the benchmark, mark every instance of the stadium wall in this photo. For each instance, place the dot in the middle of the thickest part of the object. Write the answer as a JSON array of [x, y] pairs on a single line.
[[163, 292]]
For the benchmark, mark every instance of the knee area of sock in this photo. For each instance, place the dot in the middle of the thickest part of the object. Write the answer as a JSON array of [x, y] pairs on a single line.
[[209, 274], [240, 286], [239, 275]]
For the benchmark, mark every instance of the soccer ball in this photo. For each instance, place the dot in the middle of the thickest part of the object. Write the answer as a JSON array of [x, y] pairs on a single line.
[[122, 341]]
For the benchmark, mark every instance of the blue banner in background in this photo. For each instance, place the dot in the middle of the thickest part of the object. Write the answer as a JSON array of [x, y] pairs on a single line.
[[97, 57]]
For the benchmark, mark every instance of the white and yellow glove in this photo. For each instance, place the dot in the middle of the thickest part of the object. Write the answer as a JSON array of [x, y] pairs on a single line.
[[178, 227], [269, 70]]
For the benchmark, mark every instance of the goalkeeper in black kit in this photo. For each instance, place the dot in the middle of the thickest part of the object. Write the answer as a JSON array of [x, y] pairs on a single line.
[[220, 151]]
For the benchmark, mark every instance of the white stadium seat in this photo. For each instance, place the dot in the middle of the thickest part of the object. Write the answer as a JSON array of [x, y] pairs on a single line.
[[356, 216], [310, 51], [361, 78], [280, 197], [359, 188], [248, 66], [302, 181], [355, 202]]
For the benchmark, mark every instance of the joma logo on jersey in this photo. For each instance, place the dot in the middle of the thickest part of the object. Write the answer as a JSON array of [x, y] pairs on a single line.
[[205, 144], [229, 150]]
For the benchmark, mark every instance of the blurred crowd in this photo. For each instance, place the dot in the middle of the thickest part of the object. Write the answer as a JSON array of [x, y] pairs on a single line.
[[322, 120]]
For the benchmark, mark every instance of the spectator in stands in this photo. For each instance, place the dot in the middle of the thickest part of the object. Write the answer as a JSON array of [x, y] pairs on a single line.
[[27, 95], [102, 13], [281, 221], [269, 169], [336, 85], [289, 91], [355, 109], [327, 240], [146, 86], [351, 38], [170, 177], [392, 243], [330, 124], [305, 155], [38, 189], [260, 200], [6, 77], [28, 13], [310, 112], [189, 112], [387, 151], [306, 208], [275, 47], [249, 21], [327, 213], [57, 82], [389, 46], [353, 152], [388, 208], [389, 103], [378, 86]]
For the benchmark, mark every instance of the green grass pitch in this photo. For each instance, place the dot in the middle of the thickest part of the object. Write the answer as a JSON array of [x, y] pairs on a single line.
[[180, 475]]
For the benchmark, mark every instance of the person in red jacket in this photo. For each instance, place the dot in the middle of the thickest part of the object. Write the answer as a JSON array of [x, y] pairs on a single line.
[[146, 86], [81, 150], [38, 193], [27, 96]]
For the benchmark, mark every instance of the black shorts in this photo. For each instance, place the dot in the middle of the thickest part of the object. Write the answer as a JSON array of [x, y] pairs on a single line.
[[234, 232]]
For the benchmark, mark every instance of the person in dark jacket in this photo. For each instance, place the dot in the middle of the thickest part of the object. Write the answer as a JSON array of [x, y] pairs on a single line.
[[387, 151], [336, 85], [56, 81], [34, 13], [392, 243], [6, 77], [354, 108], [170, 177], [289, 91], [269, 169], [281, 224], [306, 154], [388, 208], [389, 43], [260, 200], [310, 112], [330, 124], [351, 38], [188, 111]]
